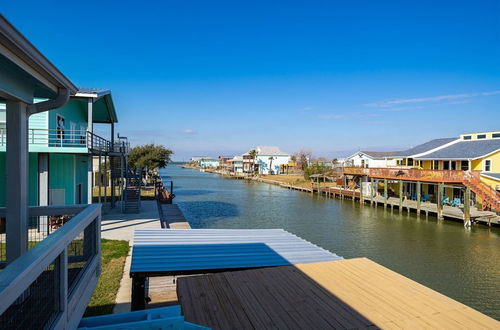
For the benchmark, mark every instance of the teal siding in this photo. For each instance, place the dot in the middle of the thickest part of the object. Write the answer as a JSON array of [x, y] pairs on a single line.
[[32, 180], [74, 111], [38, 120], [61, 175]]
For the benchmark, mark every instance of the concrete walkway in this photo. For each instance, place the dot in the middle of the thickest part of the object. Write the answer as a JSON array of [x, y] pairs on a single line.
[[120, 226]]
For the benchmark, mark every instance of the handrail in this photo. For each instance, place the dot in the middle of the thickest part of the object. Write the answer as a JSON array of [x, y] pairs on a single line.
[[35, 211], [18, 276]]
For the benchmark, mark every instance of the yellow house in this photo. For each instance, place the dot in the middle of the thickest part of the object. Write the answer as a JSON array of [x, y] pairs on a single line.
[[473, 151]]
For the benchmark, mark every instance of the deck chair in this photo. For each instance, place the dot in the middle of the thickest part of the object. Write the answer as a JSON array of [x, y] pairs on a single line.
[[456, 202]]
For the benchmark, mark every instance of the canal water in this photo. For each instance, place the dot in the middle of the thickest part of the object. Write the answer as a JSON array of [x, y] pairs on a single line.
[[462, 264]]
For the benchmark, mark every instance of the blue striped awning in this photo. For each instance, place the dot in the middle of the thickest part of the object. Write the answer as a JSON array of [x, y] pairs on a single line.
[[159, 252]]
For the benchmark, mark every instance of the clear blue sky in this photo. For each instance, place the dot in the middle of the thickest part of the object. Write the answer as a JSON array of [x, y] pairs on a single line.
[[209, 77]]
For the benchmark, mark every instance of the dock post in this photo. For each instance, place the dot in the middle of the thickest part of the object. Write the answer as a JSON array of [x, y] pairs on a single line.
[[419, 193], [361, 198], [467, 204], [400, 195], [372, 192], [385, 193], [440, 202]]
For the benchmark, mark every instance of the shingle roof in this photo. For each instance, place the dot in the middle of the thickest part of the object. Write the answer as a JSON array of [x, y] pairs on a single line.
[[381, 154], [465, 150], [425, 147]]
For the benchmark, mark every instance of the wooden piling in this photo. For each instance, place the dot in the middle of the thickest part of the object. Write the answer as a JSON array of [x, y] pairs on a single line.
[[467, 204], [400, 195], [385, 193], [419, 196]]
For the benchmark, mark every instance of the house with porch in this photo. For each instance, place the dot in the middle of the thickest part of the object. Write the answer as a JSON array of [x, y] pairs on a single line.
[[45, 281], [61, 146], [236, 164], [372, 159], [267, 160]]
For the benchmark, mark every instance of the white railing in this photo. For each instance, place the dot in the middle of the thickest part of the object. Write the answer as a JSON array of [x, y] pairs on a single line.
[[50, 285]]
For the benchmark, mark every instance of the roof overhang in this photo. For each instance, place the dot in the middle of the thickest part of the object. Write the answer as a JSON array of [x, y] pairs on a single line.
[[25, 72], [104, 108]]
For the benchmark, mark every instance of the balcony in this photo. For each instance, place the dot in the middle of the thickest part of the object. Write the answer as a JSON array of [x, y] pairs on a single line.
[[412, 174], [77, 141], [53, 282]]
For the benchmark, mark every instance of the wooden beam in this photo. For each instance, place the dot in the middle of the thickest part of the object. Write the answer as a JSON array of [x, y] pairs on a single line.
[[419, 196]]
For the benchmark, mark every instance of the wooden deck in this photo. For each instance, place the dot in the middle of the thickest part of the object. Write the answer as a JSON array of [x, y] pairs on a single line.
[[354, 293]]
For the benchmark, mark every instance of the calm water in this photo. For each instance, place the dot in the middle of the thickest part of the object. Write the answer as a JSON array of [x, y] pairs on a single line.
[[462, 264]]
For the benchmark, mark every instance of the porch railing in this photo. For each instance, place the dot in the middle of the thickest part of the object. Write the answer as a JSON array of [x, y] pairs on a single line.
[[65, 138], [412, 174], [50, 285]]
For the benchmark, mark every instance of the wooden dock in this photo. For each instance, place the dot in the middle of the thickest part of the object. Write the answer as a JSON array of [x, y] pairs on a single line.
[[171, 217], [353, 293]]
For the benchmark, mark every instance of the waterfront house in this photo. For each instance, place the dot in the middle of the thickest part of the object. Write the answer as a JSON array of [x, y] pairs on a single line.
[[236, 164], [62, 145], [208, 163], [267, 160], [46, 281], [372, 159]]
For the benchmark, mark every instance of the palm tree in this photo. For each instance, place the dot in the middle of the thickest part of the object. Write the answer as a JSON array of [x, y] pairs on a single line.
[[270, 165], [253, 154]]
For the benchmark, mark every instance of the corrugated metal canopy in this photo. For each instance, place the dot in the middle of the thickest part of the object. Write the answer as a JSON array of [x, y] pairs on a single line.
[[188, 251]]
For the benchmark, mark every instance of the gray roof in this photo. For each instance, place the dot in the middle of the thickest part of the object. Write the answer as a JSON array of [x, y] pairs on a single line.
[[425, 147], [269, 151], [177, 251], [467, 149], [492, 175], [381, 154]]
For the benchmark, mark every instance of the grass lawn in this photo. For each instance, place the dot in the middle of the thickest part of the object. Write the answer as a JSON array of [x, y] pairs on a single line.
[[296, 180], [113, 254], [147, 193]]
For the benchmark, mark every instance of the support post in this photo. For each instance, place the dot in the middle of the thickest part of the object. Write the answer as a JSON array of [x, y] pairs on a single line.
[[17, 180], [138, 293], [90, 179], [419, 196], [440, 201], [467, 204], [372, 191], [361, 198], [385, 193], [100, 180], [401, 195], [43, 190], [105, 179], [90, 121]]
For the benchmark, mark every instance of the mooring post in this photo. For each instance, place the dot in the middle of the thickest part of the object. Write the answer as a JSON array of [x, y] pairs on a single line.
[[372, 191], [419, 193], [385, 193], [361, 198]]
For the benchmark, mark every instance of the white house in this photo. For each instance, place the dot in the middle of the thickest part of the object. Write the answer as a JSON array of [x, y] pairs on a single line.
[[372, 159], [268, 160], [236, 164]]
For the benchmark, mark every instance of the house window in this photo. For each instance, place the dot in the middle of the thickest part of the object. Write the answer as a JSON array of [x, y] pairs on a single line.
[[453, 165], [487, 165], [446, 165], [435, 164], [464, 165], [410, 161], [467, 137], [495, 135], [481, 136]]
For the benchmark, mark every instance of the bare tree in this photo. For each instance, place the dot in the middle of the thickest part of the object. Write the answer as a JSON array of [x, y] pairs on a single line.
[[303, 157]]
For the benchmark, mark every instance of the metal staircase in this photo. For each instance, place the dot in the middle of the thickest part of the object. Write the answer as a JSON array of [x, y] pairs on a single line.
[[132, 194]]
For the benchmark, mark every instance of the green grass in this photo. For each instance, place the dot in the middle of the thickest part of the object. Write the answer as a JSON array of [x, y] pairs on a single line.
[[113, 255]]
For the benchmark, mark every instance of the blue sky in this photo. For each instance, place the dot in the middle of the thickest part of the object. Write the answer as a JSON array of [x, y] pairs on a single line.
[[219, 77]]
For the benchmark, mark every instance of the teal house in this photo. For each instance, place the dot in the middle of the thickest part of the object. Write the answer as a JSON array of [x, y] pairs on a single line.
[[62, 145]]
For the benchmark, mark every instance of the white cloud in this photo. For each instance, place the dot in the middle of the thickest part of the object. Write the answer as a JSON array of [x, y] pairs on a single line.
[[389, 103], [189, 131]]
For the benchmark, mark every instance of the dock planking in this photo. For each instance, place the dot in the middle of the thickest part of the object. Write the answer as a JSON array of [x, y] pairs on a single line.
[[172, 217], [352, 293]]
